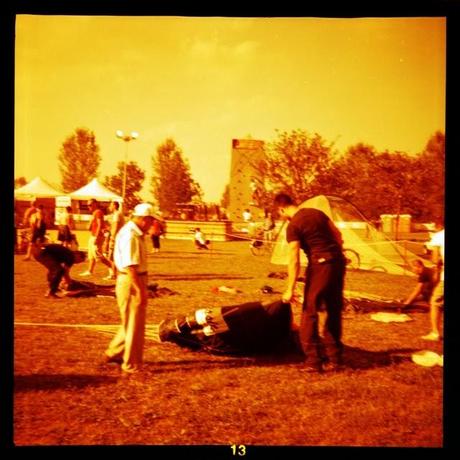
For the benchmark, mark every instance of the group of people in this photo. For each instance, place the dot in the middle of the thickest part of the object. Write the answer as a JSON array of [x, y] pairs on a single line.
[[248, 326], [309, 229], [127, 258], [100, 235]]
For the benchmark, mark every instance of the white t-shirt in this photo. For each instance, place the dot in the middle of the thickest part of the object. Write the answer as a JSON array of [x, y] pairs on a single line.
[[117, 221], [130, 248], [437, 240], [199, 237], [247, 216]]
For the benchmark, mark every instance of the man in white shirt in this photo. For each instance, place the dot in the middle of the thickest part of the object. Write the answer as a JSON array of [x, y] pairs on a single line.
[[130, 258], [200, 241], [247, 216], [437, 298]]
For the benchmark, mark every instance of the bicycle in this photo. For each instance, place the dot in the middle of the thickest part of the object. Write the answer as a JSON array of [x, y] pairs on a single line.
[[353, 261], [260, 247]]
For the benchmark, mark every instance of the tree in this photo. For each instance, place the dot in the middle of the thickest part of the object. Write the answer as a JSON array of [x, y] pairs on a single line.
[[392, 183], [134, 179], [79, 159], [225, 199], [429, 173], [20, 182], [293, 162], [377, 183], [172, 182]]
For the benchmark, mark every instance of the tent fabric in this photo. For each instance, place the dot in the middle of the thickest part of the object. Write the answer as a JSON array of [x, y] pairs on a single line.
[[96, 190], [375, 251], [36, 188]]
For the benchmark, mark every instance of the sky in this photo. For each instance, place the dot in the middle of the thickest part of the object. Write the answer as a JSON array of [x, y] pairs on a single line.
[[205, 81]]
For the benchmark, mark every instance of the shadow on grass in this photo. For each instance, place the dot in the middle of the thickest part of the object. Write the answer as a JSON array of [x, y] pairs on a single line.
[[354, 358], [358, 358], [202, 276], [35, 382], [197, 253]]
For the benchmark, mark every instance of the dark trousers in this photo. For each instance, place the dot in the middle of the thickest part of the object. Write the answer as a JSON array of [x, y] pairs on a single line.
[[200, 245], [323, 292], [156, 241], [55, 271]]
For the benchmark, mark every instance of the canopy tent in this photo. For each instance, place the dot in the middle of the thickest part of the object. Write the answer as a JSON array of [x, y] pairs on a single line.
[[36, 188], [96, 190], [39, 191], [374, 251]]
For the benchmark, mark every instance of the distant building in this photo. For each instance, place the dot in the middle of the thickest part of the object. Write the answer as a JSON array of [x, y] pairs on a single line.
[[243, 176]]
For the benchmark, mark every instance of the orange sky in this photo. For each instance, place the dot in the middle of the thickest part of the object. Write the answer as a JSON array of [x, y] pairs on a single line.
[[204, 81]]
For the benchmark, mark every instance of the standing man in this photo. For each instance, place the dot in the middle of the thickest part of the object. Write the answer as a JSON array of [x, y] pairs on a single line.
[[130, 257], [27, 222], [312, 231], [116, 222], [156, 230], [437, 298], [96, 239], [269, 225]]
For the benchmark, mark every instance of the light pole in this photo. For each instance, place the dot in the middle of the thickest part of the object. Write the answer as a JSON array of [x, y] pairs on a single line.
[[127, 138]]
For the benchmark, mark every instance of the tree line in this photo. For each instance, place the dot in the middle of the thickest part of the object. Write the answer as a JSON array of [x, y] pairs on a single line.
[[296, 162], [171, 183], [305, 165]]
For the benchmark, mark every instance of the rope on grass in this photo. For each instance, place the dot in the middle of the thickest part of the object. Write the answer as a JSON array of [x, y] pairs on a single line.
[[274, 242], [150, 329]]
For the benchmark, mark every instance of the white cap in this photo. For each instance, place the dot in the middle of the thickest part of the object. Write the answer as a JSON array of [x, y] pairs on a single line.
[[144, 210]]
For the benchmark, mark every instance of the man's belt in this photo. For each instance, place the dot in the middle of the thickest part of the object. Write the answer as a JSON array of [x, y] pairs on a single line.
[[325, 257]]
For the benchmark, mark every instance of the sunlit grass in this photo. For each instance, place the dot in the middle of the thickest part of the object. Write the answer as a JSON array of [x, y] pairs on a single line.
[[64, 396]]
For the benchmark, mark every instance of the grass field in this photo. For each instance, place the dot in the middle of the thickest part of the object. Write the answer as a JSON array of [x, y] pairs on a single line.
[[65, 396]]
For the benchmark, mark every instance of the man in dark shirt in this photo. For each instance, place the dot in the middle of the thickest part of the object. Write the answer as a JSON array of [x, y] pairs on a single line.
[[58, 260], [314, 232], [252, 327], [422, 292]]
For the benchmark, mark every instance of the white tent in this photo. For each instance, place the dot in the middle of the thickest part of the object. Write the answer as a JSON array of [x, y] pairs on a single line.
[[96, 190], [36, 188], [372, 249]]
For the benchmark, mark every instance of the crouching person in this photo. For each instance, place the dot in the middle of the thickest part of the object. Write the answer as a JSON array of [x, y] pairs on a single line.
[[200, 241], [58, 260]]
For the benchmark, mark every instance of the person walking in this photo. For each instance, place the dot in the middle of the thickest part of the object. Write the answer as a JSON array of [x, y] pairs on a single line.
[[314, 232], [156, 230], [37, 225], [130, 257], [66, 224], [200, 240], [116, 223], [96, 239], [26, 223], [436, 245], [269, 225]]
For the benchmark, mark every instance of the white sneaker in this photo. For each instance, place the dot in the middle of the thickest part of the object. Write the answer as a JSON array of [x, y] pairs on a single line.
[[431, 336], [87, 273]]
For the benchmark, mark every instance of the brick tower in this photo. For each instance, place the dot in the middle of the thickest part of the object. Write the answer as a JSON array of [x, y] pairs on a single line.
[[245, 152]]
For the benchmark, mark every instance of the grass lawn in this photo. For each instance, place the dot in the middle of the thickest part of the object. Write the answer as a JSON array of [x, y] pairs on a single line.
[[65, 396]]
